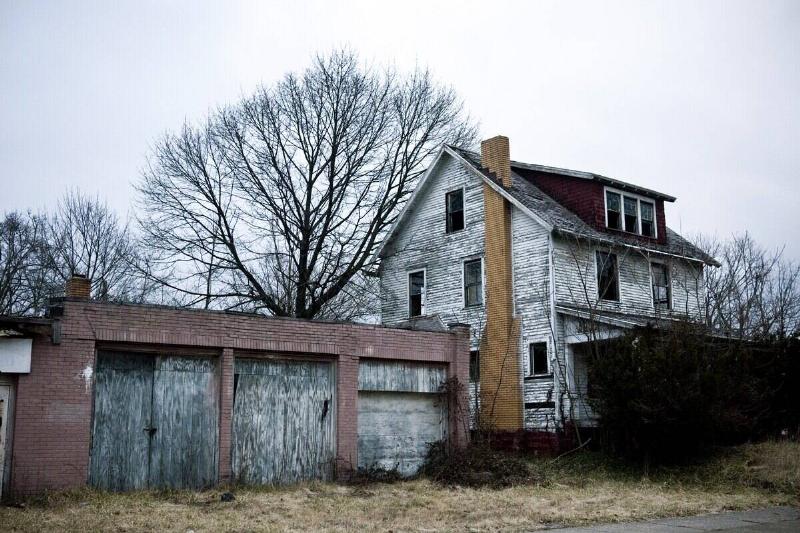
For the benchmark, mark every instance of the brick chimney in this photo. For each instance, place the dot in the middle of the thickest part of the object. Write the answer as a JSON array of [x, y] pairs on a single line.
[[78, 286], [500, 362], [496, 158]]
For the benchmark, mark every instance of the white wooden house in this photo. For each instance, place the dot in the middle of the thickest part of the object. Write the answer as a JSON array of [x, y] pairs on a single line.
[[570, 257]]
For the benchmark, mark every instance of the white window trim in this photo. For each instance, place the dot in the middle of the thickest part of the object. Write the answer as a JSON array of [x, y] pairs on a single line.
[[639, 199], [669, 283], [547, 360], [424, 290], [483, 283], [463, 190], [619, 274]]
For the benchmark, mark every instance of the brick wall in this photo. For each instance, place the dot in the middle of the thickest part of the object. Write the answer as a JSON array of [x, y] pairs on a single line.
[[52, 423]]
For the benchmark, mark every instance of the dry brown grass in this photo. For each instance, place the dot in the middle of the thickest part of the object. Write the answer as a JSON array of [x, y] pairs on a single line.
[[580, 490]]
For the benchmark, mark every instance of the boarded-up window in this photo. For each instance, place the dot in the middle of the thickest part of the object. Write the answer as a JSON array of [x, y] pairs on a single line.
[[455, 210], [473, 283], [613, 210], [416, 293], [607, 276], [648, 219], [538, 364], [661, 287]]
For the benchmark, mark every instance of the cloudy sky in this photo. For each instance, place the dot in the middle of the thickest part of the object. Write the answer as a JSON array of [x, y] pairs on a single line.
[[700, 100]]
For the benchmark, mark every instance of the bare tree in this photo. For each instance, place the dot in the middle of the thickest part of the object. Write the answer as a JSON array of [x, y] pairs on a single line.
[[279, 202], [21, 274], [85, 236]]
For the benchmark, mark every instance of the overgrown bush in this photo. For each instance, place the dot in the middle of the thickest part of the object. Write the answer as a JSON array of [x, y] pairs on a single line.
[[476, 465], [669, 395]]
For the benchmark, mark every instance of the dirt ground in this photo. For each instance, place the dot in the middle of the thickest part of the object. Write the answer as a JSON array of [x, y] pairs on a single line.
[[581, 490]]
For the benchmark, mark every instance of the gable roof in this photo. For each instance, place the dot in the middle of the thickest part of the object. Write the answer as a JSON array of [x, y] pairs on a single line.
[[549, 213]]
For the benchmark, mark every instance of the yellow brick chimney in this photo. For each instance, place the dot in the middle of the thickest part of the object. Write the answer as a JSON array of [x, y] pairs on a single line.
[[501, 392]]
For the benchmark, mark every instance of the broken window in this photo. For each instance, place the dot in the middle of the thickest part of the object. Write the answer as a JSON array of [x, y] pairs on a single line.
[[661, 286], [474, 365], [648, 219], [537, 364], [416, 293], [473, 283], [631, 215], [613, 210], [607, 276], [454, 201]]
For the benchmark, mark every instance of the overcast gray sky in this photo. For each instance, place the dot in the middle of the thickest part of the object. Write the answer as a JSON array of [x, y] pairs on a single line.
[[700, 100]]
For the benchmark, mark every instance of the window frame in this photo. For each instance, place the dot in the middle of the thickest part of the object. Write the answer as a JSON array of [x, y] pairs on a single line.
[[447, 194], [597, 275], [464, 262], [668, 270], [531, 367], [424, 295], [639, 199]]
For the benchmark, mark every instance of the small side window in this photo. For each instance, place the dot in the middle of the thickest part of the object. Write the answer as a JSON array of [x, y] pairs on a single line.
[[473, 283], [454, 201], [613, 210], [661, 286], [416, 293], [538, 364], [475, 365]]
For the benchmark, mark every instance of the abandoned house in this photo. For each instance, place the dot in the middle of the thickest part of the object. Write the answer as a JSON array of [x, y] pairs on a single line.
[[540, 261], [134, 396]]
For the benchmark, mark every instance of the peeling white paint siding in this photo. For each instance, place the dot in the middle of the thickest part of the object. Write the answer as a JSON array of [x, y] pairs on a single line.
[[423, 243]]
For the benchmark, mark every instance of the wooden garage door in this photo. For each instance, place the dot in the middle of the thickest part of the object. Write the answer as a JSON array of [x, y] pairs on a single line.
[[399, 414], [284, 427], [156, 422]]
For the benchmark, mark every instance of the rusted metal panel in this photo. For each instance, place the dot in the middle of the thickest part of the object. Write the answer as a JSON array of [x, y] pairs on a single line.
[[122, 409], [283, 421], [156, 422], [395, 429], [184, 450], [400, 376]]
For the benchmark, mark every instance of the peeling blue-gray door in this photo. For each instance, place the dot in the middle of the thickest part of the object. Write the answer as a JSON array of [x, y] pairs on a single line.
[[155, 422], [400, 413], [284, 421]]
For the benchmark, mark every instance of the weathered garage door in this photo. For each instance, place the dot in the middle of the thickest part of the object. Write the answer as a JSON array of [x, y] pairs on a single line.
[[156, 422], [283, 421], [399, 414]]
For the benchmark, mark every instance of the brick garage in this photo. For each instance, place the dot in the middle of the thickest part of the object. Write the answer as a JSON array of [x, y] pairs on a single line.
[[53, 404]]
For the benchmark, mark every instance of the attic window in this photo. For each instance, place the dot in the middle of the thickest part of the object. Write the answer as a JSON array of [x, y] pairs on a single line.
[[454, 201], [631, 213]]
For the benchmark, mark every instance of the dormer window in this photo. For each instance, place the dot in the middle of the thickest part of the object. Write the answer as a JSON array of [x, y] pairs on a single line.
[[630, 213], [454, 201]]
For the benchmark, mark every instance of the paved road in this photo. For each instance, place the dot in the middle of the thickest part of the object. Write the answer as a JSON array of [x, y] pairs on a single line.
[[773, 520]]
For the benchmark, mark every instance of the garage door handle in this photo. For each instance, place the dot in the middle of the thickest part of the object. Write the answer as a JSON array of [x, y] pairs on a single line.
[[150, 430]]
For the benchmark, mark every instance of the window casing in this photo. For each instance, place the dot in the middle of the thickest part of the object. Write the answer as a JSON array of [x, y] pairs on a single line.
[[630, 213], [416, 293], [473, 282], [607, 276], [538, 364], [454, 205], [662, 292]]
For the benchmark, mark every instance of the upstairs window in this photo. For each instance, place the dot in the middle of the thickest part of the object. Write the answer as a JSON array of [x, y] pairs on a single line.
[[648, 218], [537, 363], [661, 286], [473, 283], [416, 293], [475, 365], [607, 276], [613, 210], [454, 201], [631, 215]]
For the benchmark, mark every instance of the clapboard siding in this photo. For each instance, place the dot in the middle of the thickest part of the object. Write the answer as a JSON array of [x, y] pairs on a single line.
[[283, 421], [400, 376], [422, 243]]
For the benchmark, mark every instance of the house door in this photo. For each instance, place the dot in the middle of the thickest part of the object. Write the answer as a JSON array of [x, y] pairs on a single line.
[[155, 422], [5, 422]]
